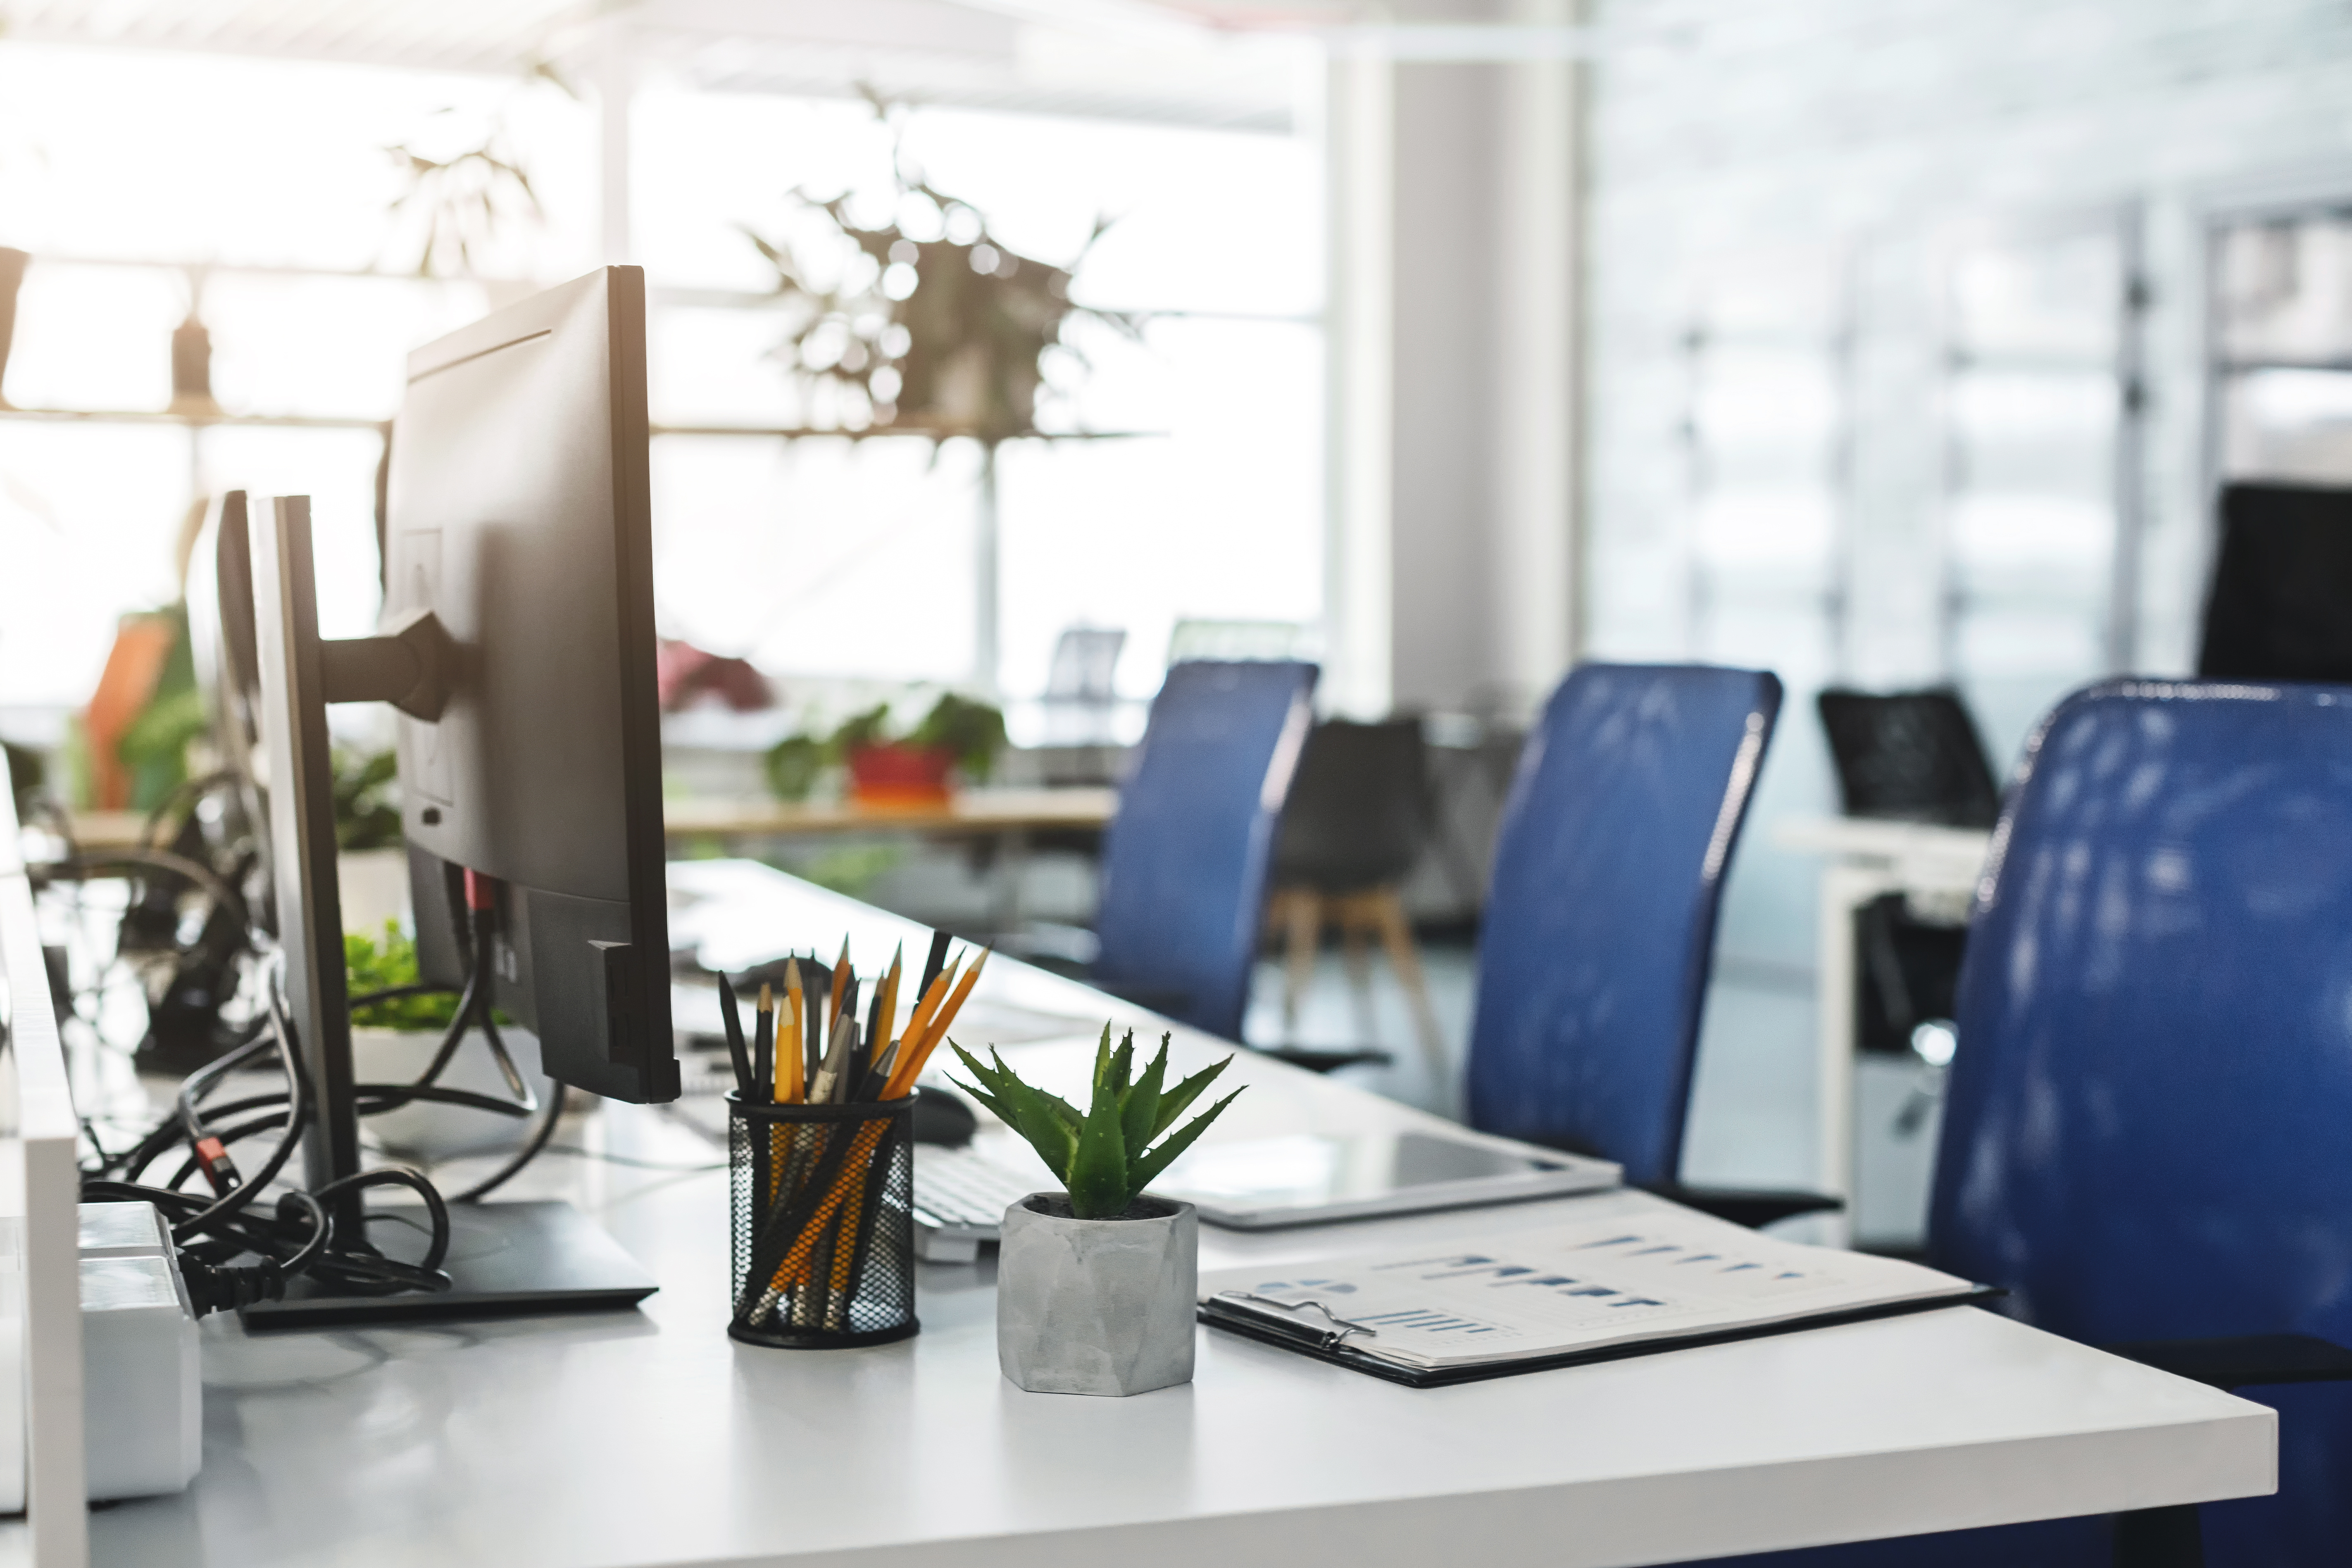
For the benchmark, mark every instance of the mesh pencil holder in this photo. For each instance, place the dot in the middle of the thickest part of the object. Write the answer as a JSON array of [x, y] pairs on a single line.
[[825, 1233]]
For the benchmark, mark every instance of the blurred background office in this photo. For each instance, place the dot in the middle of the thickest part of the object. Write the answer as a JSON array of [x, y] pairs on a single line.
[[1442, 345]]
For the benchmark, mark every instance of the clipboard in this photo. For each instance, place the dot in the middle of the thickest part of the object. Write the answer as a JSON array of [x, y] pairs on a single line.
[[1328, 1340]]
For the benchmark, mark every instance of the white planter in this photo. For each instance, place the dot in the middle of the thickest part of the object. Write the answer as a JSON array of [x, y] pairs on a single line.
[[1096, 1305], [372, 885], [425, 1129]]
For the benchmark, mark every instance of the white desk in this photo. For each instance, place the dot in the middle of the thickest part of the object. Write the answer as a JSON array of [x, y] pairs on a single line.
[[648, 1437], [1862, 860]]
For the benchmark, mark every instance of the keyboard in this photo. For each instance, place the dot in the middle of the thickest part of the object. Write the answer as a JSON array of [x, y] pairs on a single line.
[[960, 1200]]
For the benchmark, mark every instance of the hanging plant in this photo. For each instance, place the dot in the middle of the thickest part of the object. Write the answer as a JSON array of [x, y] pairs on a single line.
[[462, 203], [943, 330]]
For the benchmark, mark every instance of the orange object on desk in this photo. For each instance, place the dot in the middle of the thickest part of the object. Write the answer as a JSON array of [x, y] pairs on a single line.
[[894, 775]]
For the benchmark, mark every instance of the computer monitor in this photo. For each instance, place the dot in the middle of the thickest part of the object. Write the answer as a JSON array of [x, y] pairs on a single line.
[[2281, 603], [517, 513], [517, 644]]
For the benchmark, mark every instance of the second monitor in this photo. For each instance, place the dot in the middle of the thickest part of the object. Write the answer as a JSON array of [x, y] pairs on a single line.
[[518, 514]]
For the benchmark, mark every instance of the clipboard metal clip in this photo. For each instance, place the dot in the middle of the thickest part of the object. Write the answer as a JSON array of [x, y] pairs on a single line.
[[1333, 1333]]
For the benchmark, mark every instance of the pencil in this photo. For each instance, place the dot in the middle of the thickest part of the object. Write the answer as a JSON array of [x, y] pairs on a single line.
[[890, 1030], [934, 996], [842, 974], [911, 1059], [788, 1054]]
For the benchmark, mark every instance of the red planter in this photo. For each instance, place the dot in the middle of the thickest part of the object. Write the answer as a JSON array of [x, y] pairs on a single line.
[[899, 775]]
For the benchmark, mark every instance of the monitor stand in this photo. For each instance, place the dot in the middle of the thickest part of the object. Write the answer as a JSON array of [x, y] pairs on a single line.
[[505, 1258]]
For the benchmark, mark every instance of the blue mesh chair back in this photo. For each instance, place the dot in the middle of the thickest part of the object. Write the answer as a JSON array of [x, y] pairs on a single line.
[[1599, 923], [1185, 858], [2148, 1132]]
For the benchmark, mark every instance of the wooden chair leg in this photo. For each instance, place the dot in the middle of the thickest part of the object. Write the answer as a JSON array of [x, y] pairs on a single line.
[[1387, 908], [1353, 930], [1300, 910]]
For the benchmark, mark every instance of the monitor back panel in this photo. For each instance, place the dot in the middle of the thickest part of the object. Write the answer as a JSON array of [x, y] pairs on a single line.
[[518, 512]]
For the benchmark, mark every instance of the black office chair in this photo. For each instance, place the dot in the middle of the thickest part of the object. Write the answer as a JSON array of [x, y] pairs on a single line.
[[1356, 822], [2280, 607], [1909, 756]]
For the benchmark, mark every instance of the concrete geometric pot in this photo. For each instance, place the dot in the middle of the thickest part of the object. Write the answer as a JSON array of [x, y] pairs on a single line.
[[1096, 1305]]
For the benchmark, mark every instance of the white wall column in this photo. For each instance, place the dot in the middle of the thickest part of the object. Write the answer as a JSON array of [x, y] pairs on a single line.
[[617, 79], [1360, 136], [1538, 426]]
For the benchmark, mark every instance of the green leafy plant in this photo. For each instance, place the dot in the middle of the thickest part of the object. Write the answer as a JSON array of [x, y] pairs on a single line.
[[367, 800], [972, 732], [368, 966], [1104, 1158], [943, 329]]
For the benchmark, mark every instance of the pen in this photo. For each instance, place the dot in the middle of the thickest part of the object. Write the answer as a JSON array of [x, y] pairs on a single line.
[[763, 1035], [936, 962], [737, 1053]]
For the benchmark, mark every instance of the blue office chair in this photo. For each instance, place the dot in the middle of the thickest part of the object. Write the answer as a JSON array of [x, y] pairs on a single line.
[[1185, 858], [1598, 928], [2146, 1128]]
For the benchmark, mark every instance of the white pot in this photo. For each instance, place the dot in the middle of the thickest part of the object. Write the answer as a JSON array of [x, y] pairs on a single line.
[[372, 885], [428, 1130], [1096, 1305]]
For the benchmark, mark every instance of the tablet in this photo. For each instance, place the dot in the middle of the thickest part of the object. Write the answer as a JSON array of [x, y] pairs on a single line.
[[1307, 1178]]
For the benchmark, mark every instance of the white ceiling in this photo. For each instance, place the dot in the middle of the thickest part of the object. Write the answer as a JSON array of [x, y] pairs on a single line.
[[1184, 61]]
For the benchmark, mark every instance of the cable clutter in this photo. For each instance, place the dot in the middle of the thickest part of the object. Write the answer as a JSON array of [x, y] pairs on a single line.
[[234, 1249]]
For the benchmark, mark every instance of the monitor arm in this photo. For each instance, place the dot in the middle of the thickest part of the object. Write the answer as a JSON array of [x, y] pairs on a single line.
[[410, 665]]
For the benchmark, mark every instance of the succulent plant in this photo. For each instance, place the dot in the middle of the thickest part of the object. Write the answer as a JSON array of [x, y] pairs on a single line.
[[1104, 1158]]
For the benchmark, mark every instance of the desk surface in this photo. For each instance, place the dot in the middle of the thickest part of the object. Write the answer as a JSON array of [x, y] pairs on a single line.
[[648, 1438], [969, 811]]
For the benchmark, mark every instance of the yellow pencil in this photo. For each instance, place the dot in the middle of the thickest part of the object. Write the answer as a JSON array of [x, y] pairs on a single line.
[[911, 1058], [788, 1038]]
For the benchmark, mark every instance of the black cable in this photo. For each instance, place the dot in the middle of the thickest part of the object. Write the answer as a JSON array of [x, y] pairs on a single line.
[[81, 867], [196, 788], [394, 992], [524, 1156], [438, 1249], [281, 1029]]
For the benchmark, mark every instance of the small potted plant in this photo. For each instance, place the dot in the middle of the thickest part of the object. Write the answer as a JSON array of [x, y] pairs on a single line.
[[394, 1040], [958, 735], [1095, 1284]]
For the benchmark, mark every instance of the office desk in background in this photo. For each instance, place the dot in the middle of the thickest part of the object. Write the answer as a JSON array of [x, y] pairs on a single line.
[[1863, 859], [649, 1438]]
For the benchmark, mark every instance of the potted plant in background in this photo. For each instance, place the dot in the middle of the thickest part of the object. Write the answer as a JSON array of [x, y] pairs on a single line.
[[394, 1041], [957, 736], [941, 329], [1096, 1285]]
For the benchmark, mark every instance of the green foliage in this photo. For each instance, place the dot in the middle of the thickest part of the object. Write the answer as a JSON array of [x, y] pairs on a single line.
[[871, 728], [853, 870], [367, 800], [944, 330], [1105, 1158], [794, 764], [972, 730], [368, 967]]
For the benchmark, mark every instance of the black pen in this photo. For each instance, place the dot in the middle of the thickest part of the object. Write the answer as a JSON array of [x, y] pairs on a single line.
[[737, 1052], [763, 1046]]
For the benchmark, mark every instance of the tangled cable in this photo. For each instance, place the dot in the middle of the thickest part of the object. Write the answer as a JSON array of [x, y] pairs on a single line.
[[297, 1236]]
